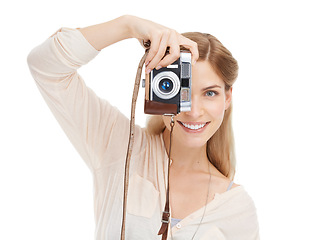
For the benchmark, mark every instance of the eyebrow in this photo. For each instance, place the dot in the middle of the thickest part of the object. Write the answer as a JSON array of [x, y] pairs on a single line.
[[210, 87]]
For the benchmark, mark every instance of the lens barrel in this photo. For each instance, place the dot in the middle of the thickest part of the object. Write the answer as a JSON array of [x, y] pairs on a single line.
[[166, 85]]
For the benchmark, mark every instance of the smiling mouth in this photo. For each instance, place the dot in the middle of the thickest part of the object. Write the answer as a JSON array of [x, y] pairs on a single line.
[[194, 126]]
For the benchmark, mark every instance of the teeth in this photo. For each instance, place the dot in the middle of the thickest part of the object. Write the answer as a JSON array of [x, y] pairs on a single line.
[[194, 127]]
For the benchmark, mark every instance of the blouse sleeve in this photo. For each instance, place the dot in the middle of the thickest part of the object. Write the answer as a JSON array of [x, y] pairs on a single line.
[[98, 131]]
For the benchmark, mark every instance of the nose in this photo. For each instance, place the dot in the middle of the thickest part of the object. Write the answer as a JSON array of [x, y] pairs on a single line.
[[197, 109]]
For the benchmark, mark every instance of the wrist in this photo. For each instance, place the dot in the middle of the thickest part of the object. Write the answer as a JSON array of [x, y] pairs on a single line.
[[126, 22]]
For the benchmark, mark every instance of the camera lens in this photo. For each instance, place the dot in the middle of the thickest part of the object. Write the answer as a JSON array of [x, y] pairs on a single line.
[[165, 85]]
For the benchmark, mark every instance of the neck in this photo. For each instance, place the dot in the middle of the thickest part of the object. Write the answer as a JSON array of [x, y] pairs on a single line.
[[183, 157]]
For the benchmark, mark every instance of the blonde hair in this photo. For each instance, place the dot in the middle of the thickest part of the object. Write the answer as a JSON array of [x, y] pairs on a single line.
[[220, 147]]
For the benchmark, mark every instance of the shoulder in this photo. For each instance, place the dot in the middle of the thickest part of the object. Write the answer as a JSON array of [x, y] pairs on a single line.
[[221, 183], [232, 185]]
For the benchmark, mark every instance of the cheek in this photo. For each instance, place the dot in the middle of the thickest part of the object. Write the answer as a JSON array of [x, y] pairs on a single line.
[[216, 110], [216, 113]]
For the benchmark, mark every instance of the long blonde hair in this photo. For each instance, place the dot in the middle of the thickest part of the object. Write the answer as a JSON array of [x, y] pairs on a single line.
[[220, 147]]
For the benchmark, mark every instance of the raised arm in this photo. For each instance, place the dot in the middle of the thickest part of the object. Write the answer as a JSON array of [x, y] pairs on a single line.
[[104, 34], [96, 129], [100, 36]]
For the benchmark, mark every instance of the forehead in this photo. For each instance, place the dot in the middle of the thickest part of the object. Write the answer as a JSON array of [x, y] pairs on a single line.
[[203, 75]]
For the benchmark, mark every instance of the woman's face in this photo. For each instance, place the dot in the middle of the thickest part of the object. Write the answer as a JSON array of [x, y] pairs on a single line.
[[209, 102]]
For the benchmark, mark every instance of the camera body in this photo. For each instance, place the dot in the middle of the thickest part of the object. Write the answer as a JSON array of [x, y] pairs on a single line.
[[168, 90]]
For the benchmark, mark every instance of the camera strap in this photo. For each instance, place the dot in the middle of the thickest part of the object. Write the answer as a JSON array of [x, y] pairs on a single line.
[[166, 213], [131, 140]]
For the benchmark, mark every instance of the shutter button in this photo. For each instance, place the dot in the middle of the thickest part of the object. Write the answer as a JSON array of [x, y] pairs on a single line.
[[178, 225]]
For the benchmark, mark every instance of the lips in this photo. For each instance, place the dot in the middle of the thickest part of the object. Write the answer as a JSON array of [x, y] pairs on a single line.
[[193, 126]]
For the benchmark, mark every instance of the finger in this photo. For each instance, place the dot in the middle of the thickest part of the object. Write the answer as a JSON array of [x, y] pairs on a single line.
[[192, 46], [174, 52], [170, 58], [154, 48], [161, 51]]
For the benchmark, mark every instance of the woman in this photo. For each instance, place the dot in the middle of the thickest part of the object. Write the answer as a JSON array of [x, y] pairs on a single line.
[[205, 204]]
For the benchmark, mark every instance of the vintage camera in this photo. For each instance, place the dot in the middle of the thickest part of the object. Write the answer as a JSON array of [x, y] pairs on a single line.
[[168, 90]]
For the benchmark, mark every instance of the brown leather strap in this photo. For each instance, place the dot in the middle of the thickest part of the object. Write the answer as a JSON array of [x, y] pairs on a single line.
[[131, 141], [166, 213], [165, 221]]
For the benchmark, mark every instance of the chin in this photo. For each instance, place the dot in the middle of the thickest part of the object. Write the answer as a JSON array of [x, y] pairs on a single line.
[[190, 141], [196, 144]]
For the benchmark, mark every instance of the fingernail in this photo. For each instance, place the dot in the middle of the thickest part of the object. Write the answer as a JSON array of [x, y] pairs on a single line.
[[148, 70], [158, 67]]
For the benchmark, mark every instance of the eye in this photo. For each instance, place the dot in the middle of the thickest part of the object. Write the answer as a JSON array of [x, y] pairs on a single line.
[[211, 93]]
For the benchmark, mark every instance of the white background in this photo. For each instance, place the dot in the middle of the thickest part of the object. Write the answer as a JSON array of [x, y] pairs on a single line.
[[46, 189]]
